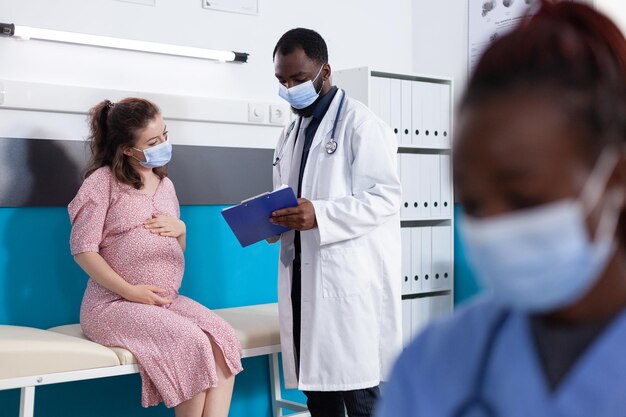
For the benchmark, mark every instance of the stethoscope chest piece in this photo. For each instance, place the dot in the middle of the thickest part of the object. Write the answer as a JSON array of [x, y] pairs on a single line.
[[331, 146]]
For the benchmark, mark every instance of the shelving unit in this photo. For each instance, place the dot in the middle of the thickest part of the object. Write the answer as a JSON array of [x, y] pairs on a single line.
[[419, 110]]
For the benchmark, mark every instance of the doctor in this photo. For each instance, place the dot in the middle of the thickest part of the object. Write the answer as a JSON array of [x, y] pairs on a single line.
[[541, 173], [338, 285]]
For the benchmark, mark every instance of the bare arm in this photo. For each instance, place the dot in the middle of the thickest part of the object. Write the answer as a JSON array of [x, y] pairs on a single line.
[[99, 270], [182, 241]]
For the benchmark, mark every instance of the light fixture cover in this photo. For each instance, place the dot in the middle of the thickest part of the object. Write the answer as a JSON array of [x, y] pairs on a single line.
[[26, 32]]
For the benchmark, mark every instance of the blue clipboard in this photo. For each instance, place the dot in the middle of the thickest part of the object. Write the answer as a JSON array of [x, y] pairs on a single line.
[[250, 220]]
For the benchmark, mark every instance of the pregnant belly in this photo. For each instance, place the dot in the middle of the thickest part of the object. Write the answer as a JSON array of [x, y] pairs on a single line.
[[141, 257]]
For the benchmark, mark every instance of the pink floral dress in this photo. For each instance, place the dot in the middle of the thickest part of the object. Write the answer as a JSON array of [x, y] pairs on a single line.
[[171, 343]]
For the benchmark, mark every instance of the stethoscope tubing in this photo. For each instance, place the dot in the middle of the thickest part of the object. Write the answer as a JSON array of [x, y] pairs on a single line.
[[331, 145]]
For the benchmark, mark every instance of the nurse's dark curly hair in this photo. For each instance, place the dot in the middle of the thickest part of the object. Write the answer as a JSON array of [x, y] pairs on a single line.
[[114, 127], [571, 53], [309, 40]]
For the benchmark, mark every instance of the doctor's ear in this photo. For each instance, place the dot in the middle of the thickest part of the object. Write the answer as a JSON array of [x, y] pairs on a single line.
[[326, 72]]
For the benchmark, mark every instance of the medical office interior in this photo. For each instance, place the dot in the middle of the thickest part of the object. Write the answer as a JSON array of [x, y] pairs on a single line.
[[406, 59]]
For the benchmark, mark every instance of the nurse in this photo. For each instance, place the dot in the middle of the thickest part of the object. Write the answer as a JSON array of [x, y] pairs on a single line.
[[541, 173]]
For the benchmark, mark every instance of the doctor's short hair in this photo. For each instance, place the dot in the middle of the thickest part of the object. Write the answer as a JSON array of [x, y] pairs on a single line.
[[309, 40], [569, 53]]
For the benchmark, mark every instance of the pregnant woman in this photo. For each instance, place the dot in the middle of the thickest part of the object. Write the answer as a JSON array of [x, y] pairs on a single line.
[[127, 236]]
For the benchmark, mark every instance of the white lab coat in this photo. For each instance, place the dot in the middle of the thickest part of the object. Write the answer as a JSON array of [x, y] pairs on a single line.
[[351, 289]]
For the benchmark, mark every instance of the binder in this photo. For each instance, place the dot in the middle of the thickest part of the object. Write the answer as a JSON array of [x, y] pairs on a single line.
[[385, 98], [395, 108], [441, 257], [446, 185], [407, 276], [422, 186], [445, 115], [250, 220], [406, 181], [406, 112], [407, 331], [417, 113], [420, 314], [416, 260], [435, 185], [426, 259], [430, 109]]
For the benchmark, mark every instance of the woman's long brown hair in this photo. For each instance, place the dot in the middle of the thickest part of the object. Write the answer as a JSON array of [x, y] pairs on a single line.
[[114, 127]]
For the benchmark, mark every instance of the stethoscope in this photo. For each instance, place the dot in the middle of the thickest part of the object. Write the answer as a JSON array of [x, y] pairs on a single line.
[[330, 146], [476, 401]]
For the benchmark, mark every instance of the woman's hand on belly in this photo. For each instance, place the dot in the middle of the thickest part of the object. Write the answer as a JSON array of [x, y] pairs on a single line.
[[146, 294], [166, 226]]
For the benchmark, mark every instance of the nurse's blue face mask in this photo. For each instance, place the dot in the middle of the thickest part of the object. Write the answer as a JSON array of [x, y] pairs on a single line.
[[542, 259], [302, 95]]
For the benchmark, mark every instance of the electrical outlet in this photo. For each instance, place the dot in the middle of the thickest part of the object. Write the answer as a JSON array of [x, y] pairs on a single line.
[[256, 112], [278, 114]]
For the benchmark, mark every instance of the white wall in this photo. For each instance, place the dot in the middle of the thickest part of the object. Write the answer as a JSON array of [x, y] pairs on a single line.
[[616, 9], [358, 32], [395, 36], [440, 36], [440, 40]]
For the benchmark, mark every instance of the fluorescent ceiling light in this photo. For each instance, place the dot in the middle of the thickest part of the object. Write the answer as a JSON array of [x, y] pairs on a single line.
[[25, 32]]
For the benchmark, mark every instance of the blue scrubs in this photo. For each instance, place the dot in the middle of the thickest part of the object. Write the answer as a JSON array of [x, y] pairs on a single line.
[[438, 371]]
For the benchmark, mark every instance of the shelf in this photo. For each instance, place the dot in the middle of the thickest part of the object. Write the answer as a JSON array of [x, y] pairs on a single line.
[[422, 149], [420, 222], [426, 294]]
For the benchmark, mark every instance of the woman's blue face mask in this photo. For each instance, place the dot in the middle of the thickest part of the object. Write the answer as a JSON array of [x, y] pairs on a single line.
[[156, 156]]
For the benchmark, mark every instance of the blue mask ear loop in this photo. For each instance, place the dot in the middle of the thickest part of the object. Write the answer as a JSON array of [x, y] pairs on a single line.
[[318, 74], [591, 194], [600, 174]]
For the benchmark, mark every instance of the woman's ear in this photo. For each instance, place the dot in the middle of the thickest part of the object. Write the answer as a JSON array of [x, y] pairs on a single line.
[[127, 151]]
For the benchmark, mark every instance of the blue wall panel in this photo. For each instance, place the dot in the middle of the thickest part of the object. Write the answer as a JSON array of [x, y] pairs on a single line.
[[41, 286]]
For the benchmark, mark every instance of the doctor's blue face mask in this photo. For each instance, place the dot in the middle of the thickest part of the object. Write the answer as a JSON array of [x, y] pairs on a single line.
[[302, 95], [543, 259]]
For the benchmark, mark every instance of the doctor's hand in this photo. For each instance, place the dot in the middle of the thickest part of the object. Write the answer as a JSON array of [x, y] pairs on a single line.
[[301, 217], [165, 226]]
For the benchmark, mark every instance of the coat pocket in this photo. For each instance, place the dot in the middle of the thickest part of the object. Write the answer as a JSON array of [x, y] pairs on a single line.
[[346, 271]]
